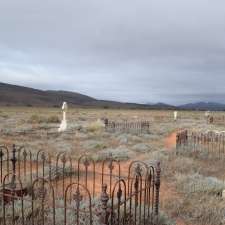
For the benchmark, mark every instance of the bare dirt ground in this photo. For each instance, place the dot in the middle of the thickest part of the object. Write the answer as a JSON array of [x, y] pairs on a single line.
[[36, 128]]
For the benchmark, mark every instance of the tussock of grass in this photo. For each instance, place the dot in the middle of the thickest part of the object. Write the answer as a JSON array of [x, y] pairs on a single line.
[[164, 219], [141, 148], [53, 119], [121, 153], [96, 126], [3, 115], [197, 183], [158, 156], [183, 165], [41, 119], [199, 209], [93, 145]]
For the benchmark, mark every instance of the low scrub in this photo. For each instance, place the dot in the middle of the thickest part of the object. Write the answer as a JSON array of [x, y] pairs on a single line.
[[40, 119], [3, 115], [208, 210], [96, 126], [53, 119], [121, 153], [197, 183]]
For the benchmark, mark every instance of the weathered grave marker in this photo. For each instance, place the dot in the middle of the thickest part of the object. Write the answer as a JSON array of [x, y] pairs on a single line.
[[175, 115], [63, 125]]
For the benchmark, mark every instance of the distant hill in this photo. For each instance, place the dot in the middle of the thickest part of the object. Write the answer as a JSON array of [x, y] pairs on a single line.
[[212, 106], [13, 95]]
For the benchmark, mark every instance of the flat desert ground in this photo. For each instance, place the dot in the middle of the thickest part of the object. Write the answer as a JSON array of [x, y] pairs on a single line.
[[191, 184]]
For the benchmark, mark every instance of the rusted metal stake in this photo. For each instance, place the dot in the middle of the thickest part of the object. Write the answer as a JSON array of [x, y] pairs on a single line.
[[157, 186], [104, 199], [13, 160]]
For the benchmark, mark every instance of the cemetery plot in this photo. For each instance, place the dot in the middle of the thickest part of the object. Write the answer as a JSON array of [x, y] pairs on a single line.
[[218, 120], [210, 144], [129, 127], [64, 191]]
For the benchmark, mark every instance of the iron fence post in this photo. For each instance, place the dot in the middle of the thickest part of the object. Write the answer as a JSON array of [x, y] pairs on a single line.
[[1, 163], [13, 160], [104, 200], [157, 186]]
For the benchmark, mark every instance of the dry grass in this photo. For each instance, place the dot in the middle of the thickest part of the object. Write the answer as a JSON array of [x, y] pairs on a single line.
[[196, 182], [41, 119]]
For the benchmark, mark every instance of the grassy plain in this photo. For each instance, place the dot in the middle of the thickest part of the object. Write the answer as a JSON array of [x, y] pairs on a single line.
[[36, 128]]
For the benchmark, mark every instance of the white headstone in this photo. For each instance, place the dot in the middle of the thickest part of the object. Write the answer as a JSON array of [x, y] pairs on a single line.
[[175, 115], [63, 125]]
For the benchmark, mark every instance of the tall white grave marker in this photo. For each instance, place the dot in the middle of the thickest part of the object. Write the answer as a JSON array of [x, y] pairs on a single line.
[[175, 115], [63, 125]]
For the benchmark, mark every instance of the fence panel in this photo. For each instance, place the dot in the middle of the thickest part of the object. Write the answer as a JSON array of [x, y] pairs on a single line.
[[63, 191]]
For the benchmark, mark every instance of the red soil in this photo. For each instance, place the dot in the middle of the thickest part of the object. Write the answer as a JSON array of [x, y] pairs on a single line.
[[170, 141], [168, 191]]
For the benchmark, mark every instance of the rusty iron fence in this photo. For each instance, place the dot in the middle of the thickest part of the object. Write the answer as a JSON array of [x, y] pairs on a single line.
[[208, 144], [129, 127], [218, 120], [42, 189], [181, 138]]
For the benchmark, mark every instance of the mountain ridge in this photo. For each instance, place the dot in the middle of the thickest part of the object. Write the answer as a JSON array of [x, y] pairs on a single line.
[[15, 95], [204, 106]]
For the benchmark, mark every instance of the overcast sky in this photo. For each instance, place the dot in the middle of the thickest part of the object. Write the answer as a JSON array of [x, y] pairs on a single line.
[[169, 51]]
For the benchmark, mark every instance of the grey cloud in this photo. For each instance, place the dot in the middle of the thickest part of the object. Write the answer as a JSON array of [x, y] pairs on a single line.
[[140, 50]]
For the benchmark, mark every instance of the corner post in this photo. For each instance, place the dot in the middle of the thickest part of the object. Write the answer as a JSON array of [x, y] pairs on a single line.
[[157, 186], [104, 210]]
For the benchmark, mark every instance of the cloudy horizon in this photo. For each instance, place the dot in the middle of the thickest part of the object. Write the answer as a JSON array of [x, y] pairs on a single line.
[[130, 51]]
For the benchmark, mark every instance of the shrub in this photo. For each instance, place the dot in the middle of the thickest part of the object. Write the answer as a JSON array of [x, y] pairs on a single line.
[[53, 119], [40, 119], [183, 165], [141, 148], [208, 210], [4, 115], [93, 145], [35, 119], [197, 183], [96, 126], [121, 153], [163, 219]]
